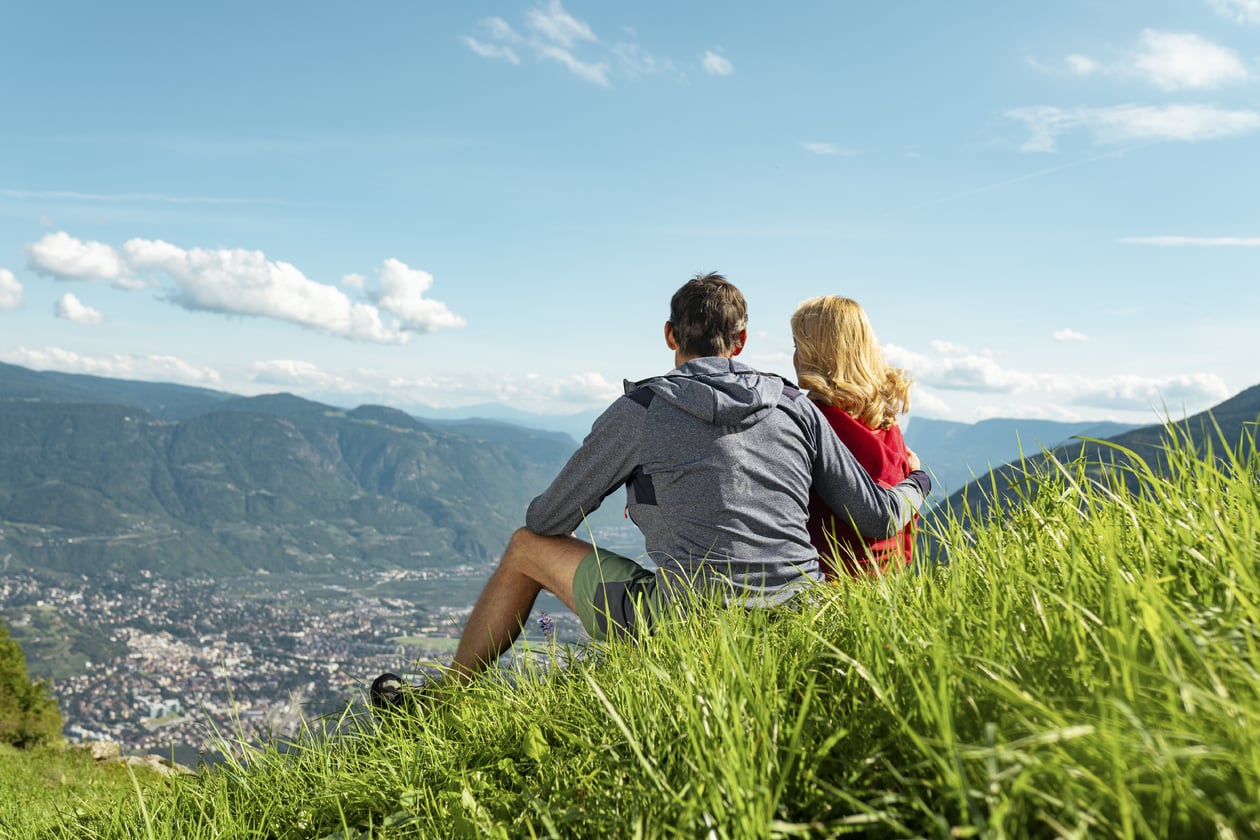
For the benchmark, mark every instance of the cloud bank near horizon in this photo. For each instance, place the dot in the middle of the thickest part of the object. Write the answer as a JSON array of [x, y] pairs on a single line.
[[961, 370]]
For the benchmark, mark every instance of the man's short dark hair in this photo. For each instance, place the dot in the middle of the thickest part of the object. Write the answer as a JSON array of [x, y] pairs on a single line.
[[708, 313]]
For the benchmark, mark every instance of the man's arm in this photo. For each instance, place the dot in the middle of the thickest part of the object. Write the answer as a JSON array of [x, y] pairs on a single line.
[[600, 466], [845, 486]]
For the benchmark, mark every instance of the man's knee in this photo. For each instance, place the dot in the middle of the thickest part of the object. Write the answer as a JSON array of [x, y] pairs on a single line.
[[520, 544], [549, 560]]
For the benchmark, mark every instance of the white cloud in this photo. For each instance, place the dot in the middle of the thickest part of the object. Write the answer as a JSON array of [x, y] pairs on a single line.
[[1133, 123], [939, 346], [1178, 61], [1171, 61], [1067, 334], [241, 282], [492, 50], [828, 149], [551, 33], [142, 198], [978, 374], [557, 26], [1241, 11], [501, 30], [10, 291], [71, 308], [401, 293], [582, 389], [354, 281], [717, 65], [596, 72], [636, 61], [1194, 241], [131, 284], [1081, 65], [299, 376], [578, 392], [61, 256], [145, 368]]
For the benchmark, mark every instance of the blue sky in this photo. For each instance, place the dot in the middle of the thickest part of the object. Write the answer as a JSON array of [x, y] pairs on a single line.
[[1048, 209]]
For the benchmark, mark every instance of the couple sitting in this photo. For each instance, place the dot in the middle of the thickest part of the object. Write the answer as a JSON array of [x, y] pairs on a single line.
[[720, 464]]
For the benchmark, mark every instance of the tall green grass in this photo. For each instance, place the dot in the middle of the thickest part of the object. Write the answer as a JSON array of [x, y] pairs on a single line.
[[1085, 666]]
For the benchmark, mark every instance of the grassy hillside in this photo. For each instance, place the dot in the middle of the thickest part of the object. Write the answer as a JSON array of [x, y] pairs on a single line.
[[1085, 667], [1217, 433]]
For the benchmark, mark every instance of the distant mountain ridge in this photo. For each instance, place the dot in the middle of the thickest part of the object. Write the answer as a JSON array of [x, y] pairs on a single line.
[[163, 400], [955, 454], [106, 475], [1227, 425]]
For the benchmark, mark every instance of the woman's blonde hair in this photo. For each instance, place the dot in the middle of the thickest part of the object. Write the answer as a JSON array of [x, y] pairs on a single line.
[[840, 363]]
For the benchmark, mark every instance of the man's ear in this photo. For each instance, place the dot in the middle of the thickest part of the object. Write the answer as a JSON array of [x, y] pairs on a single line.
[[670, 341], [739, 343]]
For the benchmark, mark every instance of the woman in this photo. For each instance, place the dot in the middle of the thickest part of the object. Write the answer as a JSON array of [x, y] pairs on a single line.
[[839, 362]]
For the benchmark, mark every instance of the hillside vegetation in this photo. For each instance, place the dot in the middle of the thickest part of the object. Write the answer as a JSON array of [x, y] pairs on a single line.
[[1086, 666], [1228, 426], [273, 482], [28, 715]]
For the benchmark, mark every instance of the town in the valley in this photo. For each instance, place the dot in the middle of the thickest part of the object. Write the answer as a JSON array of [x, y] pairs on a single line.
[[190, 668]]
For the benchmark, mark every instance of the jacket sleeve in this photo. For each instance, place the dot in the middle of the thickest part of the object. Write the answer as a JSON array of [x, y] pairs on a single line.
[[841, 482], [600, 466]]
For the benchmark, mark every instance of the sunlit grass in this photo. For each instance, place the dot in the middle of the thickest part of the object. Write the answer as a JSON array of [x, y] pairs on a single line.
[[1086, 666]]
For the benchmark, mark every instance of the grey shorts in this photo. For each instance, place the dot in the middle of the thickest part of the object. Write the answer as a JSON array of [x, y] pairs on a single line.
[[615, 596]]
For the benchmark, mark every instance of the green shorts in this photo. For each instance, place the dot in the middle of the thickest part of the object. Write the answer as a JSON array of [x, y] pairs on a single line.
[[614, 595]]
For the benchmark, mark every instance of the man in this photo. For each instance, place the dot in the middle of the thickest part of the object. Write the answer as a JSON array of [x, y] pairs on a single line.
[[717, 460]]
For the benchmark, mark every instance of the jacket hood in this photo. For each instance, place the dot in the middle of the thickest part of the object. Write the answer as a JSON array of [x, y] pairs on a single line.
[[717, 390]]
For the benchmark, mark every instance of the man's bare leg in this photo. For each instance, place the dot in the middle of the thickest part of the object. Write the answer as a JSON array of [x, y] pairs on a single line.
[[530, 564]]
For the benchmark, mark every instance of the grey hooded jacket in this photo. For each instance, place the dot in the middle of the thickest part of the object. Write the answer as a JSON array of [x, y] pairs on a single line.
[[718, 460]]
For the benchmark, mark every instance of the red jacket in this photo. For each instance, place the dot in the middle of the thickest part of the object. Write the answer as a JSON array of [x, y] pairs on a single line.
[[883, 453]]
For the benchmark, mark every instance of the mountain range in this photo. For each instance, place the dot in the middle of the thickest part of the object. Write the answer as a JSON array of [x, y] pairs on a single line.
[[108, 475], [101, 475], [1229, 428]]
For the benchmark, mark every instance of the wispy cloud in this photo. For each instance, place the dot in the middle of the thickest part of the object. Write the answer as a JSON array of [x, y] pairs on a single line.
[[1171, 61], [1081, 65], [243, 282], [119, 366], [1180, 61], [828, 149], [1240, 11], [1067, 334], [555, 25], [492, 50], [716, 64], [528, 393], [292, 374], [634, 61], [70, 308], [940, 346], [596, 71], [122, 198], [11, 291], [1133, 123], [549, 32], [1194, 241]]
